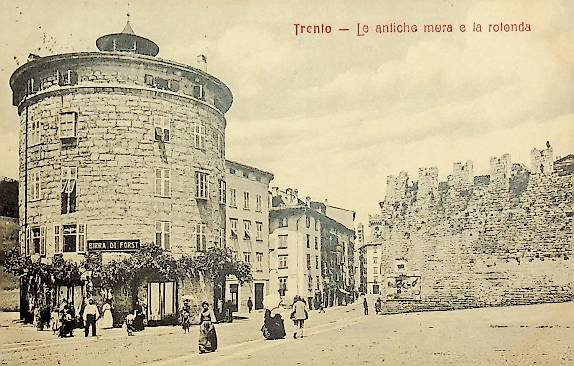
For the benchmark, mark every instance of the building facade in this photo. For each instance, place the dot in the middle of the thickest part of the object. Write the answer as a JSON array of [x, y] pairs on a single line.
[[119, 145], [247, 206], [360, 261], [311, 254], [373, 254]]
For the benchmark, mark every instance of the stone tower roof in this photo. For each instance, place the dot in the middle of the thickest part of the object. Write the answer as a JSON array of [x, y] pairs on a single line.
[[127, 41], [128, 29]]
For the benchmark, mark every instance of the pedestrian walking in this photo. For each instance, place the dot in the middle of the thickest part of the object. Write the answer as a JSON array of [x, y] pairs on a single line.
[[228, 310], [91, 314], [378, 305], [185, 316], [207, 334], [365, 305], [299, 314], [249, 305], [55, 320], [321, 307]]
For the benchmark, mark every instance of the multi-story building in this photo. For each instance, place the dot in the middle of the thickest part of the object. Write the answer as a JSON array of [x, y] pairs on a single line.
[[311, 254], [248, 230], [119, 145], [360, 261], [373, 255]]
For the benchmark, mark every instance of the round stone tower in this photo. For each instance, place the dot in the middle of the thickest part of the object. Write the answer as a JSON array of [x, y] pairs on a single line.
[[119, 148]]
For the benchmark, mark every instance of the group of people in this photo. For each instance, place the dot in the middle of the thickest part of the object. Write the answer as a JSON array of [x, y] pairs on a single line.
[[207, 334], [378, 305], [273, 324], [64, 320]]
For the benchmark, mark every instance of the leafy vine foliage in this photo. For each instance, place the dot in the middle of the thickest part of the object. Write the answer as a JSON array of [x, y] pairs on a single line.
[[150, 263]]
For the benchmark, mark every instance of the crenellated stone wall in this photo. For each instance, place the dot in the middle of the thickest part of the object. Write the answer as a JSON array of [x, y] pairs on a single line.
[[500, 241]]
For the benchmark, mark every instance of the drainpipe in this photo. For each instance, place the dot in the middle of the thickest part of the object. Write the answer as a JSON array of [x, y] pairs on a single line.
[[25, 177], [22, 294], [297, 248]]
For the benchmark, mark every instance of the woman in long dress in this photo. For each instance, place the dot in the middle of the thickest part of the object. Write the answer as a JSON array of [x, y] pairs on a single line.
[[107, 320], [299, 315], [138, 323], [207, 334]]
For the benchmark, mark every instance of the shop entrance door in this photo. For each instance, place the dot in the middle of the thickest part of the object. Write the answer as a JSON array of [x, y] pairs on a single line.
[[161, 301], [259, 296], [234, 290]]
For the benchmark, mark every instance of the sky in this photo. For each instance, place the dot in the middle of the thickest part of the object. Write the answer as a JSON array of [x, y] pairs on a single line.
[[333, 115]]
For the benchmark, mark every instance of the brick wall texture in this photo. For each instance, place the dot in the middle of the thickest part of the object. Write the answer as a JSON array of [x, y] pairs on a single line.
[[508, 242]]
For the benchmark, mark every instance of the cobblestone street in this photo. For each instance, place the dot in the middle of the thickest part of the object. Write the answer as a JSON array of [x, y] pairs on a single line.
[[525, 335]]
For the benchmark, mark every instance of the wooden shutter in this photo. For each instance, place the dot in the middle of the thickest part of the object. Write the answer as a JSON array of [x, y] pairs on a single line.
[[167, 235], [57, 239], [42, 240], [81, 238], [72, 197]]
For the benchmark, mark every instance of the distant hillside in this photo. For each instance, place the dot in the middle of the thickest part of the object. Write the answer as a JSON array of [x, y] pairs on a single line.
[[8, 240], [8, 197]]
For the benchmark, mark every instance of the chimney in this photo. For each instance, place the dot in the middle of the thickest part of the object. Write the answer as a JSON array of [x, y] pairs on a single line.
[[202, 62], [326, 202], [296, 194], [308, 201], [275, 191]]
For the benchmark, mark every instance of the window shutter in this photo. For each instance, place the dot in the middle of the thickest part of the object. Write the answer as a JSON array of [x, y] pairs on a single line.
[[148, 79], [72, 197], [195, 236], [57, 239], [64, 203], [167, 130], [81, 238], [158, 238], [73, 77], [167, 182], [167, 235], [42, 240]]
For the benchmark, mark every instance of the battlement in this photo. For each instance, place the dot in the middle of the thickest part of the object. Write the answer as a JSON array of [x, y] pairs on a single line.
[[462, 175], [396, 187], [542, 161], [400, 189], [500, 168], [428, 182]]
